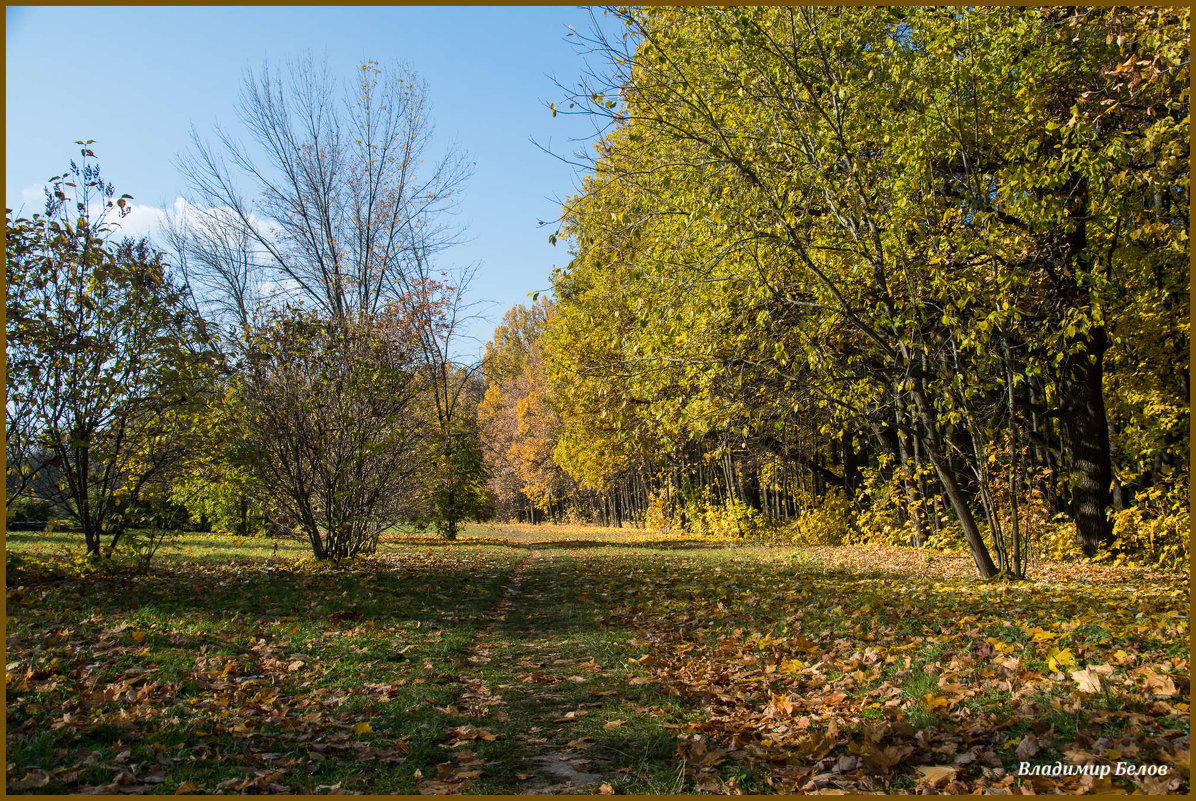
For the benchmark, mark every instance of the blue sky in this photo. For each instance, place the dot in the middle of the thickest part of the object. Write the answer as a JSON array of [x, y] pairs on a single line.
[[136, 79]]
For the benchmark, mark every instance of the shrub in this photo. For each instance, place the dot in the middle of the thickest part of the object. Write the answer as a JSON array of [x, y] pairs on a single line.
[[1155, 530], [823, 520]]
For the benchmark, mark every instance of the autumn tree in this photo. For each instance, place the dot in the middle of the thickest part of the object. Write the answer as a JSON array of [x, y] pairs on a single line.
[[838, 204], [521, 424], [106, 362], [506, 380], [329, 416]]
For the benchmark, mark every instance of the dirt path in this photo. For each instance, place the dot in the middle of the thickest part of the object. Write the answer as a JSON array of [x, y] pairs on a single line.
[[534, 691]]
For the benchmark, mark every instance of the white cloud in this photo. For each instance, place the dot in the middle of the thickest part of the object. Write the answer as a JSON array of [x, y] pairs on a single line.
[[32, 201], [142, 220]]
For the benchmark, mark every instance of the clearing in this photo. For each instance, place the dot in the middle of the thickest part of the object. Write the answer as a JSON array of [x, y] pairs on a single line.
[[582, 660]]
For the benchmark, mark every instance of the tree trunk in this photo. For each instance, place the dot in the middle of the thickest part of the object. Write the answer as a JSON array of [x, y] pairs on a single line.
[[959, 503], [852, 479], [751, 485], [1085, 431]]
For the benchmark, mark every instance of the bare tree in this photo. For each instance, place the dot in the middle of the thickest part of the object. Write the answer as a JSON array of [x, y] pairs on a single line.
[[331, 199]]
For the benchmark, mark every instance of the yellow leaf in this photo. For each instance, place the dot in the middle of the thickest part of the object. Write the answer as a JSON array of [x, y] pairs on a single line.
[[791, 666], [1057, 660], [1039, 634], [613, 724], [363, 728], [932, 701]]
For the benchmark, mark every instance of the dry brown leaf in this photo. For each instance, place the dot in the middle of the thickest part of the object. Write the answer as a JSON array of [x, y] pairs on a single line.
[[934, 774], [1087, 680], [1028, 747]]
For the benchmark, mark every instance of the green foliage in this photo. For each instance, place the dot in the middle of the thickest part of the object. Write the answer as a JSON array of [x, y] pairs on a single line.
[[107, 364], [329, 416], [222, 495], [460, 491], [29, 508]]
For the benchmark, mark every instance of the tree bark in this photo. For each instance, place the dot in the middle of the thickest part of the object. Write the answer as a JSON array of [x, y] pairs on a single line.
[[980, 554], [1085, 430]]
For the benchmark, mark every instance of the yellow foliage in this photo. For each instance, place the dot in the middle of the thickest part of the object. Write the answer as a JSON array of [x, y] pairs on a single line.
[[661, 513], [823, 521], [1155, 530]]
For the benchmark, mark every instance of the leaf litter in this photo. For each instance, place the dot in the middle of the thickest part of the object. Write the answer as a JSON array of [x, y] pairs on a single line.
[[821, 670]]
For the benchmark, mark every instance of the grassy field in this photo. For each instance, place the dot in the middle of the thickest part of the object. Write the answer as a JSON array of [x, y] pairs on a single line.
[[555, 659]]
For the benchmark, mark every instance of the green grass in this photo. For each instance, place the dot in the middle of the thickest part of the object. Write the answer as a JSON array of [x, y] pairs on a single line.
[[223, 651], [239, 666]]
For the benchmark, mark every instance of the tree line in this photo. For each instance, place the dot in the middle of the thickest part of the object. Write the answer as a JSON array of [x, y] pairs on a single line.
[[921, 270], [905, 275]]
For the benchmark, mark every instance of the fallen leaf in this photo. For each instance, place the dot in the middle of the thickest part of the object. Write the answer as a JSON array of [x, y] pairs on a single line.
[[934, 774], [1160, 683], [933, 701], [1059, 659], [33, 778], [1087, 680]]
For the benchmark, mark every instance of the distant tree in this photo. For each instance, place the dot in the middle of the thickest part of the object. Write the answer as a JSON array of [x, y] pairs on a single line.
[[460, 490], [519, 425], [106, 363]]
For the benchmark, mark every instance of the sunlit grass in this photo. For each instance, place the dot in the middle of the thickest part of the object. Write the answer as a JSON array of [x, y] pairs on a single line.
[[225, 664]]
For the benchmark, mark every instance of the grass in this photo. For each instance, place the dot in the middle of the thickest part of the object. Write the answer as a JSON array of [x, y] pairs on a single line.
[[555, 659], [224, 651]]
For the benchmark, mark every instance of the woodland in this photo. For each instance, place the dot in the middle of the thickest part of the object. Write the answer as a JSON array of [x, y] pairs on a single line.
[[850, 451]]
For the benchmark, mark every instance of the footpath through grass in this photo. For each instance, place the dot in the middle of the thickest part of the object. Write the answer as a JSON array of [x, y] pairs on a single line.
[[555, 660]]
